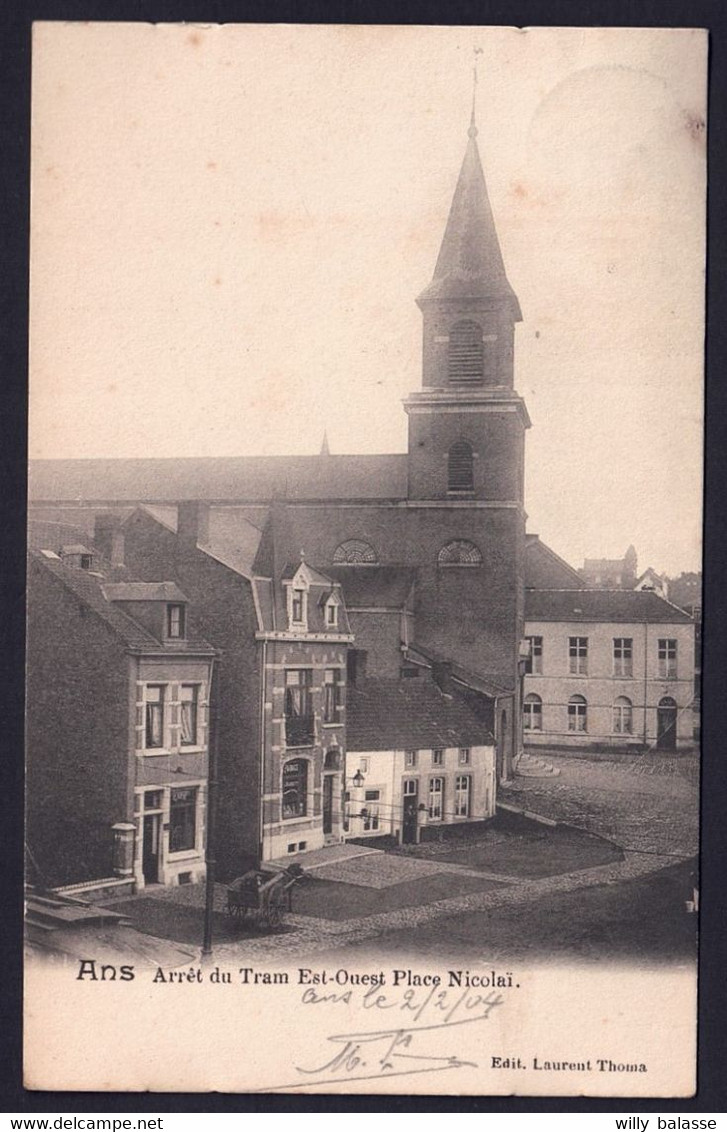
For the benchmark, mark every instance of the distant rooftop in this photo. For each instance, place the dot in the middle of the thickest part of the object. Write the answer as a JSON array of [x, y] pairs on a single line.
[[601, 605]]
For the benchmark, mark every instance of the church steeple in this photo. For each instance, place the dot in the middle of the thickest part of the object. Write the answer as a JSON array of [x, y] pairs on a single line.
[[470, 265], [467, 424]]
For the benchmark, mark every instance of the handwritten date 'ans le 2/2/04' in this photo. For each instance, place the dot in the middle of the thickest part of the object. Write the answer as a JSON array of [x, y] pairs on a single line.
[[392, 1052]]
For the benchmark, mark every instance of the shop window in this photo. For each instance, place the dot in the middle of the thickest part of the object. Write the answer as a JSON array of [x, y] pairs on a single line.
[[183, 819], [295, 788]]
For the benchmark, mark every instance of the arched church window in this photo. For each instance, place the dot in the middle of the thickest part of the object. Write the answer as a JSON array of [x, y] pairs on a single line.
[[460, 552], [466, 358], [460, 467], [355, 552]]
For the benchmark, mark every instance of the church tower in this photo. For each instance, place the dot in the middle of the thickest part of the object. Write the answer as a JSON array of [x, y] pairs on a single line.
[[467, 424], [466, 457]]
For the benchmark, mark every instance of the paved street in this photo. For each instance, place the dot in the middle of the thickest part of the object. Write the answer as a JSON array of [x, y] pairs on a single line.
[[518, 889]]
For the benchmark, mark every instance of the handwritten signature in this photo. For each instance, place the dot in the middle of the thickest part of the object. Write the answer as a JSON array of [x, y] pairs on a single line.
[[368, 1054]]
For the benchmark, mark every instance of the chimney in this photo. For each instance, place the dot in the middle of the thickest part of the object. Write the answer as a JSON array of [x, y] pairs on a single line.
[[108, 537], [193, 522], [442, 674]]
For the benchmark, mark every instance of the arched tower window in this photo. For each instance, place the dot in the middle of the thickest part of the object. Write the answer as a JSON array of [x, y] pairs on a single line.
[[466, 358], [354, 552], [460, 467], [460, 553]]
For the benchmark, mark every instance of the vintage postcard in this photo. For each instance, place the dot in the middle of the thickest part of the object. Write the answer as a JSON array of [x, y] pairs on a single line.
[[364, 559]]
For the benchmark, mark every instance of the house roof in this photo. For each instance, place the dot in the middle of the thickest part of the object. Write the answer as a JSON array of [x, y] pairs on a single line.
[[601, 605], [218, 478], [89, 589], [374, 587], [385, 715], [544, 569]]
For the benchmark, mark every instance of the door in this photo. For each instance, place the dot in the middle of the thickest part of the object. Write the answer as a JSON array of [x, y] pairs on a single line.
[[150, 853], [666, 724], [327, 804], [410, 816]]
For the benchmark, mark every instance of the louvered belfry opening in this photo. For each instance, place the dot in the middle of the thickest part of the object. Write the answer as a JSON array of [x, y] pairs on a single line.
[[466, 358], [460, 467]]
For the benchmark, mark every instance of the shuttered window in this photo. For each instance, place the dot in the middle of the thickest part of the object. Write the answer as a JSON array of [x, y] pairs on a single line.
[[460, 467], [465, 352]]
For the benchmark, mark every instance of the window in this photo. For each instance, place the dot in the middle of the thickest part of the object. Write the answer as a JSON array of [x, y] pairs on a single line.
[[577, 717], [154, 721], [460, 467], [153, 800], [295, 788], [331, 695], [354, 552], [623, 656], [534, 662], [175, 622], [465, 361], [86, 561], [410, 758], [578, 655], [297, 607], [299, 723], [410, 787], [371, 810], [460, 552], [438, 757], [533, 713], [667, 658], [462, 791], [623, 721], [464, 756], [188, 715], [436, 799], [331, 614], [183, 819]]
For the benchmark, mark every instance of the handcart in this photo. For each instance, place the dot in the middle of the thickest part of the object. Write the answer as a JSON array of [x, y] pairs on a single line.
[[263, 895]]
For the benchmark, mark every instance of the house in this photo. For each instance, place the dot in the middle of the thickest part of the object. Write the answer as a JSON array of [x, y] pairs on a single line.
[[119, 681], [607, 668], [419, 758], [650, 580], [611, 573]]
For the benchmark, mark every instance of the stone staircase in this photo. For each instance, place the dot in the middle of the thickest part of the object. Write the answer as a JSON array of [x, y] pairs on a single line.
[[529, 766]]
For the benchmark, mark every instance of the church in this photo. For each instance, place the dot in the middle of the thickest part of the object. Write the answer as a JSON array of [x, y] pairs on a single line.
[[325, 578]]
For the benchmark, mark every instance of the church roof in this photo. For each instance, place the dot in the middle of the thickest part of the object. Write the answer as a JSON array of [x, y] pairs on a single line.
[[394, 715], [470, 263], [219, 478], [374, 587]]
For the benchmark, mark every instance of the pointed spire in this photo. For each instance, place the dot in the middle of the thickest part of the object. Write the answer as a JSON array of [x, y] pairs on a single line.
[[325, 450], [470, 263]]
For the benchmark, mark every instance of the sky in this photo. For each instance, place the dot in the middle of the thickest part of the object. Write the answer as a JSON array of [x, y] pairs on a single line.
[[230, 226]]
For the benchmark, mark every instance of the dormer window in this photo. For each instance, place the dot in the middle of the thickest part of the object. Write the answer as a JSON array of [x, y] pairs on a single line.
[[331, 615], [86, 561], [297, 607], [176, 622]]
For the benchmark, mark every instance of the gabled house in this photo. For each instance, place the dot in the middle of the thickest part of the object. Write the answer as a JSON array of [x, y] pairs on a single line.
[[119, 680]]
